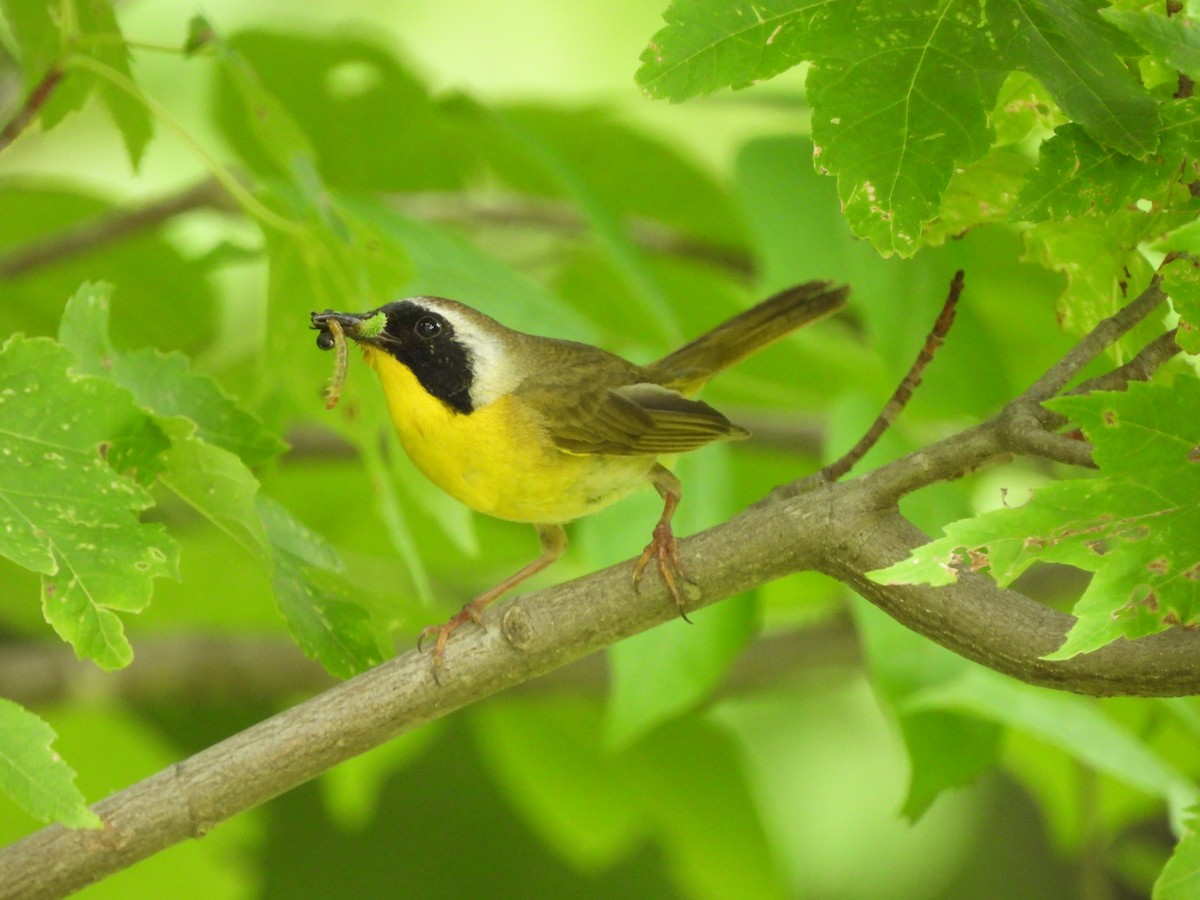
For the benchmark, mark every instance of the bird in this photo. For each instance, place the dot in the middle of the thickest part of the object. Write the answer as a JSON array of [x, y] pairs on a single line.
[[543, 430]]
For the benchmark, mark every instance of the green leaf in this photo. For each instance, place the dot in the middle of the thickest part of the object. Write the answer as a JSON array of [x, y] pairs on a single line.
[[129, 113], [1076, 724], [1137, 526], [32, 211], [905, 104], [712, 44], [318, 604], [946, 749], [330, 85], [1181, 281], [34, 776], [37, 37], [1100, 260], [1069, 48], [162, 384], [217, 484], [548, 755], [1172, 37], [1076, 176], [66, 513], [1180, 879]]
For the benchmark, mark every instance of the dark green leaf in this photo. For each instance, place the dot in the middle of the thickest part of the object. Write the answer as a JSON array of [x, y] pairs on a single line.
[[34, 776], [318, 604], [1076, 176], [1069, 48], [905, 103], [1174, 38]]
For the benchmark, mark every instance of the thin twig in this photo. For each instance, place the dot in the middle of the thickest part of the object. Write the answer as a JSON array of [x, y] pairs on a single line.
[[904, 390], [31, 107], [111, 227], [1096, 342]]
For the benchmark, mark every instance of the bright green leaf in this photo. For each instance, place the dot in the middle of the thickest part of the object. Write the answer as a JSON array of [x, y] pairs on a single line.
[[1180, 879], [668, 670], [34, 776], [1136, 526], [67, 514], [1174, 38], [37, 37], [162, 383], [1181, 281], [95, 19], [1100, 260], [548, 755]]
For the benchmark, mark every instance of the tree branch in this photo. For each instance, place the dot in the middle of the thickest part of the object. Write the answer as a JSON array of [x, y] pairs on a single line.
[[111, 227], [507, 211], [31, 107], [842, 529]]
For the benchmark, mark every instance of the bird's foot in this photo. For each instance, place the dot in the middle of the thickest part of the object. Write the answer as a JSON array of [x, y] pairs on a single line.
[[664, 550], [473, 612]]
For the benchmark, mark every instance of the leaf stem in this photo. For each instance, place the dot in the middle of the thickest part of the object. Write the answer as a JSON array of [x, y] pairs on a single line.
[[237, 190]]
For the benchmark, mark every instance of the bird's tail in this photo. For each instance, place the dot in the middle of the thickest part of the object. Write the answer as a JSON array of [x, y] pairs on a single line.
[[688, 368]]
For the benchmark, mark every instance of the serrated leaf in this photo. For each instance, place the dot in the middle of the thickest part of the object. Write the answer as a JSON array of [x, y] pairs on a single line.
[[711, 44], [907, 105], [34, 776], [66, 513], [1076, 176], [95, 18], [1137, 526], [162, 384], [316, 601], [1174, 38], [1100, 260], [1180, 878], [1181, 281], [1067, 47]]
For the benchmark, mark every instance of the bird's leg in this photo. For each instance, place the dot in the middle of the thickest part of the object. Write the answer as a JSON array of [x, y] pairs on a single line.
[[554, 544], [663, 547]]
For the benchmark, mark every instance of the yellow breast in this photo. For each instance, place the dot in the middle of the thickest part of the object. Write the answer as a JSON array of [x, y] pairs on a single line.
[[497, 459]]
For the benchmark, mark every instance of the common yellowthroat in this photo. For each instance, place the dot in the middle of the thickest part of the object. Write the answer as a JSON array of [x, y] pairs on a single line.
[[540, 430]]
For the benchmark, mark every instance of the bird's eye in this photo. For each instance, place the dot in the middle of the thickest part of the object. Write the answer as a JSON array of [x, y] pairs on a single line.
[[427, 327]]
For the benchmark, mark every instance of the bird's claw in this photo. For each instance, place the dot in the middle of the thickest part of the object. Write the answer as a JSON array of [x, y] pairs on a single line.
[[664, 550]]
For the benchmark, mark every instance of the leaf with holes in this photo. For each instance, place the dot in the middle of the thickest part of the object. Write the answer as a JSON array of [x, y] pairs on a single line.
[[64, 511], [1136, 526]]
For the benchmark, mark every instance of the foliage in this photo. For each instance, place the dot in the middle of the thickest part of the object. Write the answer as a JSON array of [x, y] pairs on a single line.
[[167, 466]]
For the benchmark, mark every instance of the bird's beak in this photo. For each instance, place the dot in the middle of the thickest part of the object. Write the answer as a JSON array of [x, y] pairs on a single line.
[[362, 327]]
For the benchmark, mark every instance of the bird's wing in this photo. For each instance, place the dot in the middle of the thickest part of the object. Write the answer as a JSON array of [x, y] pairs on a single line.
[[636, 420]]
